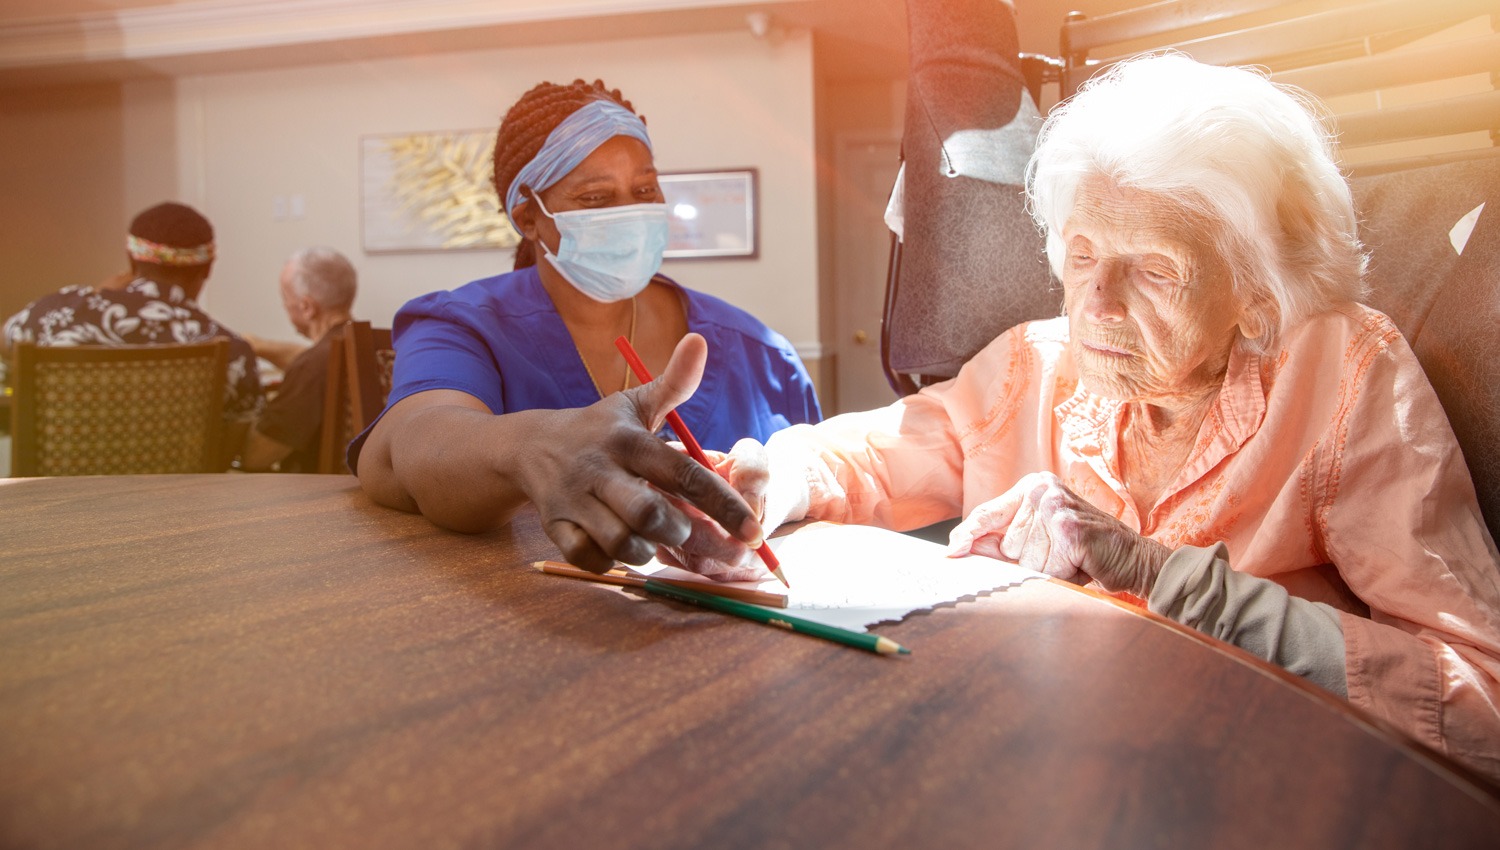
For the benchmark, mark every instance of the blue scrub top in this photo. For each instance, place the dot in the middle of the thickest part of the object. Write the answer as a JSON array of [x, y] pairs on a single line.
[[502, 341]]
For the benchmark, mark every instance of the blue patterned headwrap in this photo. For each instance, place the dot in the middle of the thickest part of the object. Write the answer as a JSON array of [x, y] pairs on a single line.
[[570, 143]]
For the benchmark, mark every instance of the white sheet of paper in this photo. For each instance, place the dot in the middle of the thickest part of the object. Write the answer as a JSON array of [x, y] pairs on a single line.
[[854, 576]]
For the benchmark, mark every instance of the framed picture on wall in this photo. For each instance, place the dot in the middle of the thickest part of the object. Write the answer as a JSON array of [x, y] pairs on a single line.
[[712, 213], [430, 191]]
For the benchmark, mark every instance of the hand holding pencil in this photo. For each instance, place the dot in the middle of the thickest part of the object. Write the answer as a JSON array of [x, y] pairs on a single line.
[[691, 444], [606, 488]]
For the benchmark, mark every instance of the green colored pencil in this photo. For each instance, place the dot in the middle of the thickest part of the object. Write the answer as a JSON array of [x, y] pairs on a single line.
[[873, 643]]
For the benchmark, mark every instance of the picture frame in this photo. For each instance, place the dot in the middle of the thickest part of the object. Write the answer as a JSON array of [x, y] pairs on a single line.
[[713, 214], [430, 191]]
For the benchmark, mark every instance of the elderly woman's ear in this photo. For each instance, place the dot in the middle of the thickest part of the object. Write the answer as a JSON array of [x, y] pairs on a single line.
[[1258, 317], [1252, 323]]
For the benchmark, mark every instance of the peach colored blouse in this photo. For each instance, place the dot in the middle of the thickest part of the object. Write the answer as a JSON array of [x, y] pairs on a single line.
[[1328, 467]]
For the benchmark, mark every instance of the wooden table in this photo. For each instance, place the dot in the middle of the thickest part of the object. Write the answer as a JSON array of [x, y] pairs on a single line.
[[273, 661]]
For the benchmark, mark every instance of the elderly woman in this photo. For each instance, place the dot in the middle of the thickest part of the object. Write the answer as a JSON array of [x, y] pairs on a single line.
[[575, 172], [1215, 426]]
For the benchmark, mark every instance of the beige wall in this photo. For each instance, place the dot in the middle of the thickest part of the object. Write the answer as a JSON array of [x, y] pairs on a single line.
[[149, 142], [711, 101], [62, 220], [78, 161]]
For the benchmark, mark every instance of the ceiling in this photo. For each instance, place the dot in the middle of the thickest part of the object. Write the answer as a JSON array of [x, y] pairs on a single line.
[[46, 42]]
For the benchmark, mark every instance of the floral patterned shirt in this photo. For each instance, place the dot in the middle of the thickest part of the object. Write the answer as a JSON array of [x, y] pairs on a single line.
[[139, 314]]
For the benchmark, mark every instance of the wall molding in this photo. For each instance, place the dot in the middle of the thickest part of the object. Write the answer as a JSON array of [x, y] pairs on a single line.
[[218, 26]]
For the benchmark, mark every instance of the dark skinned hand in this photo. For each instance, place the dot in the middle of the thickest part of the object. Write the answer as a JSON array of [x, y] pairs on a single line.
[[608, 489], [709, 549]]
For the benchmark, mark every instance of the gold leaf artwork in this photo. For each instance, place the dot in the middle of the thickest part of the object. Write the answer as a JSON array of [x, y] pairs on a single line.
[[444, 179]]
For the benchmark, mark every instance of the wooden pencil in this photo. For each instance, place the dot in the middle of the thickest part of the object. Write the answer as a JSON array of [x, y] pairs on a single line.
[[760, 614], [625, 579]]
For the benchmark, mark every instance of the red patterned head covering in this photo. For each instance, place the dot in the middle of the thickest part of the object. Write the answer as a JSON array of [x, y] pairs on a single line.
[[171, 234]]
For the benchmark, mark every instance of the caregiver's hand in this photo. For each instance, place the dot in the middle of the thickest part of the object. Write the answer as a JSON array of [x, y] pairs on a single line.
[[709, 550]]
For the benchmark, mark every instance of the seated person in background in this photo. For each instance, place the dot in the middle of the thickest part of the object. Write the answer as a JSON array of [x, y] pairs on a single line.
[[171, 251], [317, 289], [574, 167], [1215, 425]]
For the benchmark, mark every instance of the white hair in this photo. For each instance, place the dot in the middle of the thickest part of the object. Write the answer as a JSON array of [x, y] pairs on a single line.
[[1249, 158], [325, 276]]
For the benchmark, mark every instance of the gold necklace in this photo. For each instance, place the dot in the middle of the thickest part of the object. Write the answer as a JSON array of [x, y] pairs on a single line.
[[630, 337]]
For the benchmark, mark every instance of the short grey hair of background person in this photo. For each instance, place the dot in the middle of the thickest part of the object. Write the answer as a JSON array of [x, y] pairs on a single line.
[[325, 276], [1251, 159]]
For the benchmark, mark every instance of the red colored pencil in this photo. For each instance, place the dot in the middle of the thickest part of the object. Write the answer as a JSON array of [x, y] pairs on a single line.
[[643, 375]]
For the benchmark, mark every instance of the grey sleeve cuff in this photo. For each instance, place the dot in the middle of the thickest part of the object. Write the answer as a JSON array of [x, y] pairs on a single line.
[[1197, 588]]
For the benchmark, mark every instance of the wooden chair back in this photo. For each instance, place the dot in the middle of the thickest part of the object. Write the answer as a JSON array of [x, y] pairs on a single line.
[[370, 359], [335, 431], [359, 379], [118, 410]]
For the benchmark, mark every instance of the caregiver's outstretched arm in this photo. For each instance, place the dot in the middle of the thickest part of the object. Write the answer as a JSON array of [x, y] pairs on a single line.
[[589, 470]]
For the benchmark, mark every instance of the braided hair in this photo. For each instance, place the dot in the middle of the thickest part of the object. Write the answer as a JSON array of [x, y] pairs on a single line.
[[526, 126]]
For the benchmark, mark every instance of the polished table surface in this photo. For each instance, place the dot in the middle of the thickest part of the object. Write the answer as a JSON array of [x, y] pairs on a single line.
[[274, 661]]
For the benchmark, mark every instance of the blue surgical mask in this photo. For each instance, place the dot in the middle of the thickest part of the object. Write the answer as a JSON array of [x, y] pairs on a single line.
[[611, 253]]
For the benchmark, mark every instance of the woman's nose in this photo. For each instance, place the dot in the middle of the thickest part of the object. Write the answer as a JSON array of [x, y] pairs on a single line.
[[1102, 294]]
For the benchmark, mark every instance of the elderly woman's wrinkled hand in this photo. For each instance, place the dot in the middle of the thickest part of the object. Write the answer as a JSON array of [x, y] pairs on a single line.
[[708, 549], [1044, 526]]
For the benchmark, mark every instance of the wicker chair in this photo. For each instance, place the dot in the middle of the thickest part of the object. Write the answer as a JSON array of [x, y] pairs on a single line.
[[118, 410]]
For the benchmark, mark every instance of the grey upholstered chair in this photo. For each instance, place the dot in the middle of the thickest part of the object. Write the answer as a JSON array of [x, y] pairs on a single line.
[[971, 262]]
